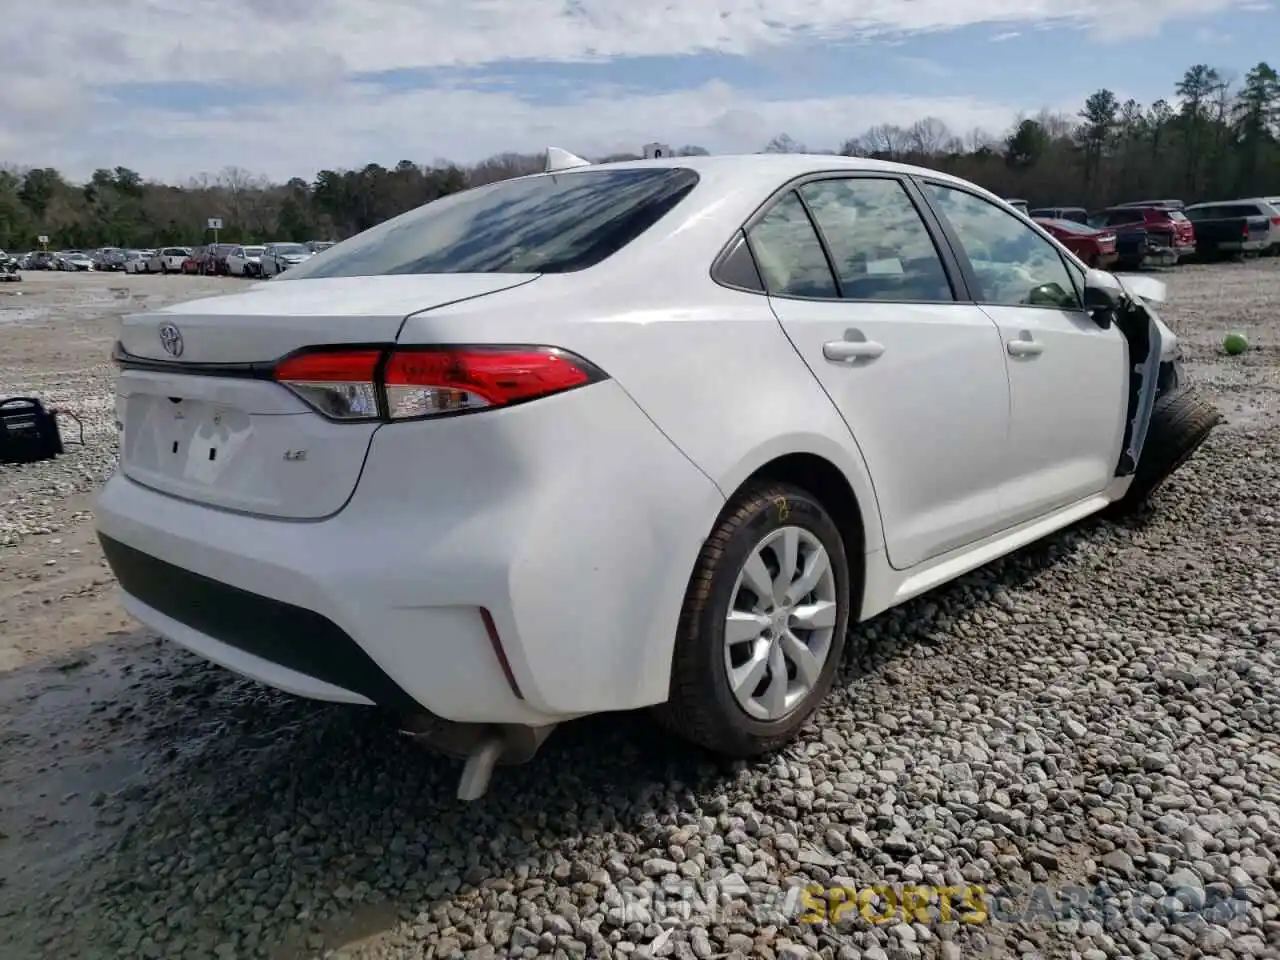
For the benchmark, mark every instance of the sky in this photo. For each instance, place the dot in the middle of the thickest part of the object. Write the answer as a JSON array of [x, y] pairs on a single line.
[[280, 88]]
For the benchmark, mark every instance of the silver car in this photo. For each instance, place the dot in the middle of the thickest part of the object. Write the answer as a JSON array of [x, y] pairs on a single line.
[[279, 257]]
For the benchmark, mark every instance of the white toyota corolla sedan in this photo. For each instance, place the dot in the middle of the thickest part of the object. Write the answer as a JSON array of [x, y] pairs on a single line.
[[652, 433]]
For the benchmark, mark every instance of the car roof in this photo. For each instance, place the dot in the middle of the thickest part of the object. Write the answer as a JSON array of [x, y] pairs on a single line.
[[783, 165]]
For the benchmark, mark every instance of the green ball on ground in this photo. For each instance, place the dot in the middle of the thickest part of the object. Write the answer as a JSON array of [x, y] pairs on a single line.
[[1235, 344]]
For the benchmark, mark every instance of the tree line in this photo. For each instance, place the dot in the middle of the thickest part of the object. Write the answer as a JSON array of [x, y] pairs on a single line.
[[1217, 137]]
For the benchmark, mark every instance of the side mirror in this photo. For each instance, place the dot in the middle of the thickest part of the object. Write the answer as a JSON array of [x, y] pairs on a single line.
[[1050, 295], [1102, 291], [1103, 296]]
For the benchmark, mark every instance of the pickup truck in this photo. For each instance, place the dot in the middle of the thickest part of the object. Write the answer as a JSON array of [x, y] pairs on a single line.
[[1229, 230], [1143, 241]]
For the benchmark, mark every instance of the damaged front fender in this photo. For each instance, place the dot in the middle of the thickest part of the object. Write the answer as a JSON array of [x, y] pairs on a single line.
[[1151, 345]]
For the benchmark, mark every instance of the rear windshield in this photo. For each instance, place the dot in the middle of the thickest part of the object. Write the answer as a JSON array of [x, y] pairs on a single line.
[[542, 224]]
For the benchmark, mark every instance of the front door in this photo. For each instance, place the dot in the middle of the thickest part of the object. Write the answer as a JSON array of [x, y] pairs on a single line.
[[918, 376], [1068, 376]]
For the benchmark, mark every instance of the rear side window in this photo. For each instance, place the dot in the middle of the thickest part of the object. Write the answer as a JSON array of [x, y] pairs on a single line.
[[553, 223], [879, 245], [789, 254]]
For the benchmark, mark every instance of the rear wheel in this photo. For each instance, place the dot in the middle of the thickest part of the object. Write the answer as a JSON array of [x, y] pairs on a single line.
[[1179, 424], [763, 626]]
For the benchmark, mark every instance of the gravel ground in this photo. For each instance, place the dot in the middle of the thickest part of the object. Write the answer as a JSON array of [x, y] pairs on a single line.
[[1099, 711]]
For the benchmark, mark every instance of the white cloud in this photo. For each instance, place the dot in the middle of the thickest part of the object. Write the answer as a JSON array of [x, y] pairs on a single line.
[[357, 125], [153, 40], [51, 66]]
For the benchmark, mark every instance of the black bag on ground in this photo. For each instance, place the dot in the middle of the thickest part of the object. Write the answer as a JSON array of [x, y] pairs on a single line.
[[28, 432]]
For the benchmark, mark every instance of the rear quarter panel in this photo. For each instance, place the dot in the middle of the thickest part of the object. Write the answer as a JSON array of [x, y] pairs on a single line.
[[709, 366]]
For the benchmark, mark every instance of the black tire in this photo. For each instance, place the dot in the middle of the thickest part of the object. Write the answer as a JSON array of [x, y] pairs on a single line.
[[701, 707], [1180, 422]]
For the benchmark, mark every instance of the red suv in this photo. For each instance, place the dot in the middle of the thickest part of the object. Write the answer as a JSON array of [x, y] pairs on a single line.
[[1158, 219]]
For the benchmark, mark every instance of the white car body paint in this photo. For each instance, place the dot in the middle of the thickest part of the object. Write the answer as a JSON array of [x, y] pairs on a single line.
[[575, 520]]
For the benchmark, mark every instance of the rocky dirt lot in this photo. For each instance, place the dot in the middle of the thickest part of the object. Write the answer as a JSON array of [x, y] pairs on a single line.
[[1100, 711]]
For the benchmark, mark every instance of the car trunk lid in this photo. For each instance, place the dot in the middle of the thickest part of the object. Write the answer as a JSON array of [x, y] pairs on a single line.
[[201, 418]]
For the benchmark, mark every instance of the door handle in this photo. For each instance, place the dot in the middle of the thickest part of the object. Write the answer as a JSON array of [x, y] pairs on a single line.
[[1025, 347], [843, 350]]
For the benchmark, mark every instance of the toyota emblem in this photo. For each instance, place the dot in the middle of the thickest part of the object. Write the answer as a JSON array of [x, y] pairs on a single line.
[[171, 340]]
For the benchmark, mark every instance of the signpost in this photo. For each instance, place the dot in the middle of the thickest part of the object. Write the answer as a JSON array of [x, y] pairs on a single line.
[[215, 224], [43, 241]]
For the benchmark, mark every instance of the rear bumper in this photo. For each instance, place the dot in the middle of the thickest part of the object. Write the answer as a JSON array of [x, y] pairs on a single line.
[[1245, 246], [572, 521], [1162, 256]]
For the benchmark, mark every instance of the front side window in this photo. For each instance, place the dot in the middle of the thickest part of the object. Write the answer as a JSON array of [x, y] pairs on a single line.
[[551, 223], [1014, 265], [789, 254], [879, 245]]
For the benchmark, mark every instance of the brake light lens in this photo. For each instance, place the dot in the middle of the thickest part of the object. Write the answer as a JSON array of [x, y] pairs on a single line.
[[409, 383], [342, 385], [1275, 221]]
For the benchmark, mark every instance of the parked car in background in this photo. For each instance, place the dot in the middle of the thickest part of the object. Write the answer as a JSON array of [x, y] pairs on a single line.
[[135, 261], [1097, 248], [1020, 206], [1075, 214], [279, 257], [245, 261], [1232, 229], [191, 264], [168, 260], [43, 260], [1259, 207], [74, 261], [9, 267], [214, 262], [946, 384], [1166, 228], [317, 246], [1159, 204], [106, 258]]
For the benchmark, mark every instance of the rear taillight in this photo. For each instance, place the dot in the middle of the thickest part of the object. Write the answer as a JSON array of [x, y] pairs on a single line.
[[1275, 221], [408, 383], [342, 385]]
